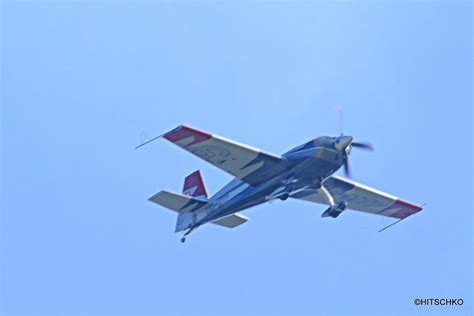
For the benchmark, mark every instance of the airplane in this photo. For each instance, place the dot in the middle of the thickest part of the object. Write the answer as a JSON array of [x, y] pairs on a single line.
[[305, 173]]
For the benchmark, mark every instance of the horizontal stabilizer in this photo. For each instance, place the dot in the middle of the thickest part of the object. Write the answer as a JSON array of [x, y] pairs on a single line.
[[231, 221], [177, 202]]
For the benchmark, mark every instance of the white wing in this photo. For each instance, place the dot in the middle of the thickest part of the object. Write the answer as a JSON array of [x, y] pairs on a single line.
[[360, 197]]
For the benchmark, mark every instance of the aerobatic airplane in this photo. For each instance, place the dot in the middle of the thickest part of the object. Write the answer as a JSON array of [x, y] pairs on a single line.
[[305, 173]]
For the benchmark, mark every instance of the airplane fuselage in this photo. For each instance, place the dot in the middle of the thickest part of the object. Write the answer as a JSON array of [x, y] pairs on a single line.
[[310, 167]]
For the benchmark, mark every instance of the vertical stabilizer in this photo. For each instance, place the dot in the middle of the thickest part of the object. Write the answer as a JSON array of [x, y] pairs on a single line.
[[194, 186]]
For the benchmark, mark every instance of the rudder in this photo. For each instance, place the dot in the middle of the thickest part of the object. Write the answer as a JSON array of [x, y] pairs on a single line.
[[194, 185]]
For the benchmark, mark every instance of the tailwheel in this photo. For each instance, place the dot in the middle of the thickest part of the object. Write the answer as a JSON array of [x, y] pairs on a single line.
[[187, 233]]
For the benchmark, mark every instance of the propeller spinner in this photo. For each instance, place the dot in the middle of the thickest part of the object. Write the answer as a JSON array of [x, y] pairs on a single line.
[[345, 145]]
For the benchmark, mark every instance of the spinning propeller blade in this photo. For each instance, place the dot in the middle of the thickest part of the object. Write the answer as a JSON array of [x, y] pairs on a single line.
[[340, 110], [347, 169], [363, 145], [346, 151]]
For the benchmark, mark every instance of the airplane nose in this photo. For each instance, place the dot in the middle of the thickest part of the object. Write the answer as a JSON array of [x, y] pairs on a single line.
[[343, 142]]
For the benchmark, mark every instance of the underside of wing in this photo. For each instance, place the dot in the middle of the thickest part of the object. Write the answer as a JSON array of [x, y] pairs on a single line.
[[244, 162], [231, 221], [361, 198]]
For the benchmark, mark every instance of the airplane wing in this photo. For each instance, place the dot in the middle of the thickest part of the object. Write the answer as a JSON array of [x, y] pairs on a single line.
[[361, 198], [249, 164]]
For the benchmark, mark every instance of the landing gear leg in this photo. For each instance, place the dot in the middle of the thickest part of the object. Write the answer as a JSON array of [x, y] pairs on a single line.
[[327, 195], [334, 209]]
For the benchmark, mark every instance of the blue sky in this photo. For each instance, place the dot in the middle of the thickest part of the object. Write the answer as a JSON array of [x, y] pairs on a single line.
[[80, 82]]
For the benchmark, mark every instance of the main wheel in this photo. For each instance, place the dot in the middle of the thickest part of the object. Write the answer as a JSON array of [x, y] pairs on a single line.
[[183, 239]]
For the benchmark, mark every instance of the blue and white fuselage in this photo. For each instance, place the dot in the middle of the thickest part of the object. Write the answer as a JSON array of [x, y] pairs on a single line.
[[309, 165]]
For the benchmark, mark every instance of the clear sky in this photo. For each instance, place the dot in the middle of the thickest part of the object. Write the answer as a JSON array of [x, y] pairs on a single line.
[[82, 81]]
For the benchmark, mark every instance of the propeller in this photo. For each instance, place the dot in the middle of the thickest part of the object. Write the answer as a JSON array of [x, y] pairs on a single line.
[[349, 144], [363, 146], [340, 110], [347, 151], [347, 169]]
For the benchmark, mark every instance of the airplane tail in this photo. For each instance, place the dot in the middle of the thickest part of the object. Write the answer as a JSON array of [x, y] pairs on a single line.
[[193, 198], [193, 186]]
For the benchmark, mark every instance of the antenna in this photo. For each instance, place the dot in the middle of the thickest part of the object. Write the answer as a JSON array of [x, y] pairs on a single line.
[[147, 142]]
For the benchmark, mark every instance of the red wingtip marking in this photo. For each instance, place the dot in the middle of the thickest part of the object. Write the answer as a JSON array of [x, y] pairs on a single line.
[[407, 209], [183, 131]]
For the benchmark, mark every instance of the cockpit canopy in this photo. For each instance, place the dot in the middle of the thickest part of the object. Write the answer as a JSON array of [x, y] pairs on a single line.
[[322, 141]]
